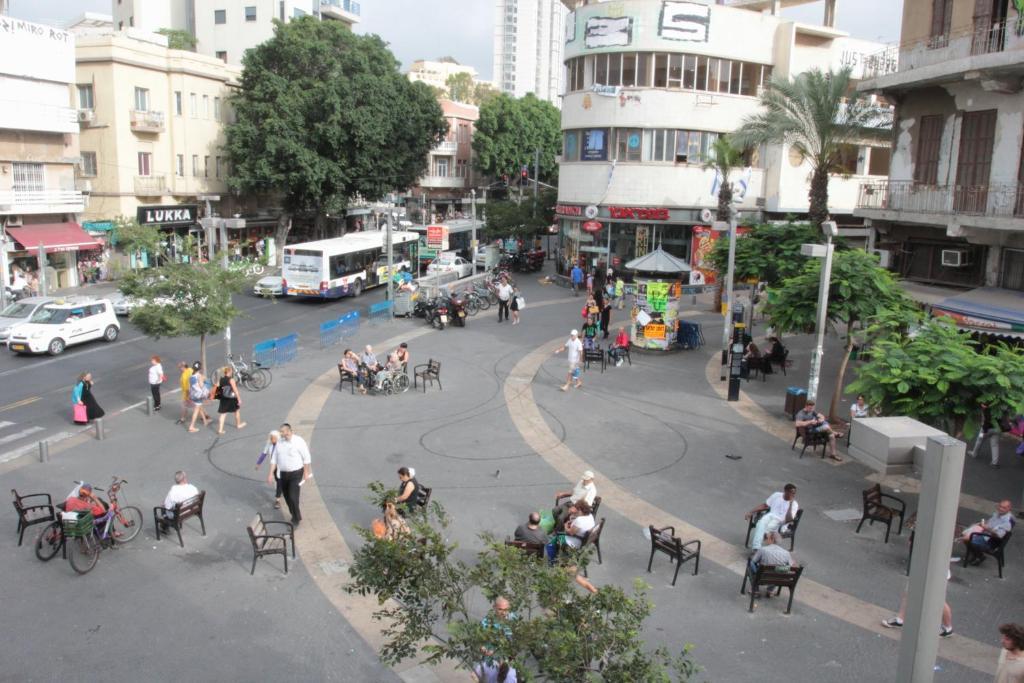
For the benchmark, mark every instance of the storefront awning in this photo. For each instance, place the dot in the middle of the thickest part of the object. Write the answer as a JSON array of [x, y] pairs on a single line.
[[54, 237], [987, 310], [659, 261]]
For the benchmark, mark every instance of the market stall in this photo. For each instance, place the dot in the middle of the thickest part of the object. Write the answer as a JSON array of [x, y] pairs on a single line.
[[656, 289]]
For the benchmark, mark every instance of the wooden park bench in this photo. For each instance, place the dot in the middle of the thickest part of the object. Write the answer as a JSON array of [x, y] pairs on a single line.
[[786, 530], [664, 540], [527, 547], [265, 543], [877, 510], [35, 508], [772, 577], [165, 519]]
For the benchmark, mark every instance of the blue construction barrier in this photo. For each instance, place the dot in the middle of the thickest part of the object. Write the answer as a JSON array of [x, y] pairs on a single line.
[[330, 333], [286, 348], [380, 312], [349, 324], [265, 353]]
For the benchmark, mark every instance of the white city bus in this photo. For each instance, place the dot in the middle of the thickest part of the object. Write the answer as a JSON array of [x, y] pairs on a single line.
[[343, 266]]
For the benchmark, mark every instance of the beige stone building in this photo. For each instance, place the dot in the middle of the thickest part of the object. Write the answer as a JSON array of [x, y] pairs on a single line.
[[450, 175], [153, 123]]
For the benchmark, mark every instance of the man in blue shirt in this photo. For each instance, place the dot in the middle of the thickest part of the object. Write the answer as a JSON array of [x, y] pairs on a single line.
[[577, 279]]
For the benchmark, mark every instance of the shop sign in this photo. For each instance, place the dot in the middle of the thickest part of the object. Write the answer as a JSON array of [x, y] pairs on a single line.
[[638, 213], [174, 214], [595, 145], [654, 331], [564, 210], [592, 226], [616, 261], [437, 237]]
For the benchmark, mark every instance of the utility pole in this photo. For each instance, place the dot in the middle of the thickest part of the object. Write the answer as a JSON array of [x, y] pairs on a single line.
[[830, 229], [727, 323], [224, 265], [423, 213], [391, 266], [4, 270], [536, 179], [42, 270], [472, 241]]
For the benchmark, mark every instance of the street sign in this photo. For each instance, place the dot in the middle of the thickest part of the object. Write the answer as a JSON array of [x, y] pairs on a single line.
[[437, 237], [592, 226]]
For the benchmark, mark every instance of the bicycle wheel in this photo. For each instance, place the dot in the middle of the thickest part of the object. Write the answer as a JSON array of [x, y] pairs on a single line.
[[483, 302], [261, 379], [49, 540], [127, 524], [83, 553], [401, 384], [472, 308]]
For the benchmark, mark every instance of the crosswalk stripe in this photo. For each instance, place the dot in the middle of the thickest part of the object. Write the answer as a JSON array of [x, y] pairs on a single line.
[[5, 425], [20, 435]]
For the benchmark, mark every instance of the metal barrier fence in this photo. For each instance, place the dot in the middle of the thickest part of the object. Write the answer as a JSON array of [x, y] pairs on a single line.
[[276, 351], [333, 331], [265, 353], [380, 312]]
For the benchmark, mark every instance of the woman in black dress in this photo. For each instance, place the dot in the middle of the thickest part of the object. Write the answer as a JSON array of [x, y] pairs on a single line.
[[92, 408], [230, 402]]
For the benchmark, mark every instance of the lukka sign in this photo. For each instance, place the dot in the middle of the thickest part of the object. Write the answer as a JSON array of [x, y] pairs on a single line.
[[173, 215]]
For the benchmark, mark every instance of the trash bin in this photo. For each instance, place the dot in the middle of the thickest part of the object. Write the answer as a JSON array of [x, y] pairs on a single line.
[[404, 302], [795, 399]]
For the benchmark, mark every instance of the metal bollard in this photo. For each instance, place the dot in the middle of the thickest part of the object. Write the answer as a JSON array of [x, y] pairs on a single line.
[[99, 429], [44, 451], [149, 405]]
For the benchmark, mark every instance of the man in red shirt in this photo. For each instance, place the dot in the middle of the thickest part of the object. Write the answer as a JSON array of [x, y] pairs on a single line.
[[85, 501]]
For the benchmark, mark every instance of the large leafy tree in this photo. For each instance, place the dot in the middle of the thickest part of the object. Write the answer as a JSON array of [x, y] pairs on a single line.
[[178, 39], [815, 114], [939, 374], [135, 239], [559, 633], [461, 87], [510, 131], [324, 114], [184, 300], [520, 219], [768, 253], [859, 290]]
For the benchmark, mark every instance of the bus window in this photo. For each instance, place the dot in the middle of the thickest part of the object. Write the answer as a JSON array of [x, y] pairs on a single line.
[[338, 266]]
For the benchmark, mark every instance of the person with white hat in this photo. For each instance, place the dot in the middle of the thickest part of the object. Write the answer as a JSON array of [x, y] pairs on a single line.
[[565, 501], [574, 347]]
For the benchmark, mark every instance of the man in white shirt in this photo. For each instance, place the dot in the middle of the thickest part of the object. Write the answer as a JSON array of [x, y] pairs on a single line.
[[574, 349], [504, 292], [991, 531], [179, 493], [291, 463], [780, 509], [580, 525]]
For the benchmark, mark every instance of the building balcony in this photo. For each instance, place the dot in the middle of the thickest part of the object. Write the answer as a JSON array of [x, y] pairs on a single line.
[[186, 186], [446, 148], [985, 54], [343, 10], [18, 202], [43, 118], [147, 121], [994, 206], [442, 181], [150, 185]]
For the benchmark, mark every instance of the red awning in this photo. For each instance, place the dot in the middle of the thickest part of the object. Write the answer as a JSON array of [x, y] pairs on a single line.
[[55, 237]]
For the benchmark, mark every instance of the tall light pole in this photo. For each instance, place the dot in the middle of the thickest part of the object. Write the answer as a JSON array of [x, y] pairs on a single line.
[[472, 241], [720, 226], [391, 260], [830, 230]]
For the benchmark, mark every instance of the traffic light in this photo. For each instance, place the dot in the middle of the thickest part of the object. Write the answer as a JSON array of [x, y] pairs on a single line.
[[524, 175], [504, 179]]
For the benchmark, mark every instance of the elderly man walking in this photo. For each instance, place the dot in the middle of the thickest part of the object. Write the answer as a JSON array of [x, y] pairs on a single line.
[[291, 463]]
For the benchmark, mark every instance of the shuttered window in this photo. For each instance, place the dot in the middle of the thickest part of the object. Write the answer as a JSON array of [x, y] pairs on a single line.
[[942, 18], [974, 165], [929, 138]]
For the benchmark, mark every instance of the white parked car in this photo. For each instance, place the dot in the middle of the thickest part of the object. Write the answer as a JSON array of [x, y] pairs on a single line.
[[450, 264], [64, 323], [271, 285], [20, 312]]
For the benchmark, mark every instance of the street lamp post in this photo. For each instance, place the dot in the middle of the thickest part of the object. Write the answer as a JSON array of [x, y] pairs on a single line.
[[721, 226], [830, 230]]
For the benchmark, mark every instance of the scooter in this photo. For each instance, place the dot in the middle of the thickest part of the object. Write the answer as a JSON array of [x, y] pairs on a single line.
[[440, 317], [457, 304]]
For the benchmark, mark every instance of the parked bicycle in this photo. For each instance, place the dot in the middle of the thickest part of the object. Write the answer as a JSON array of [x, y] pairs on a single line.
[[253, 377], [82, 537]]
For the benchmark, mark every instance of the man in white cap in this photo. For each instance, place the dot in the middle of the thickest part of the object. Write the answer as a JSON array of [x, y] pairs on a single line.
[[583, 490], [574, 347]]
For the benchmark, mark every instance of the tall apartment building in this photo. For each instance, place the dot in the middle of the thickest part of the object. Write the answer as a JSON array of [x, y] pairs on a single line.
[[952, 210], [152, 126], [227, 28], [39, 203], [650, 86], [437, 73], [528, 48]]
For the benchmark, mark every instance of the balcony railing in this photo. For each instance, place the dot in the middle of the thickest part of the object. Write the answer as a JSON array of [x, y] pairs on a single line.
[[150, 185], [966, 42], [147, 121], [446, 147], [349, 6], [17, 115], [1000, 200], [41, 201]]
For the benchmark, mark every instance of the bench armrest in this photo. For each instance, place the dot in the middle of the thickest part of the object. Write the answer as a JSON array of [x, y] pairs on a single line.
[[689, 543], [269, 536], [416, 368], [161, 508], [663, 529], [291, 527], [902, 505], [45, 496]]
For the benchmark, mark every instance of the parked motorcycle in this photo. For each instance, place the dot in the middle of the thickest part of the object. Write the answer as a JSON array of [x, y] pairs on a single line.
[[457, 305], [440, 317]]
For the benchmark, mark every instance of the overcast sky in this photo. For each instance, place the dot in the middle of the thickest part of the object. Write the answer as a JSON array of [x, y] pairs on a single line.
[[464, 29]]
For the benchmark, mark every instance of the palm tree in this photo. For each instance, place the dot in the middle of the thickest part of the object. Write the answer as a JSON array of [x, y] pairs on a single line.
[[815, 114], [725, 158]]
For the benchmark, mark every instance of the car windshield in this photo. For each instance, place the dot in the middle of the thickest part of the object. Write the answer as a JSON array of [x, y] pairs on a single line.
[[51, 316], [17, 311]]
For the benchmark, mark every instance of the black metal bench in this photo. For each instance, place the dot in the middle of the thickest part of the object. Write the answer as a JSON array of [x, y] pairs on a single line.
[[428, 372], [771, 577], [976, 554], [32, 510], [346, 376], [265, 543], [664, 540], [594, 355], [786, 529], [876, 510], [810, 438], [536, 549], [165, 519]]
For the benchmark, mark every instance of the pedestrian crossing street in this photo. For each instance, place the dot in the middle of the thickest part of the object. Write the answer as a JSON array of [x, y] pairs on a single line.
[[17, 439]]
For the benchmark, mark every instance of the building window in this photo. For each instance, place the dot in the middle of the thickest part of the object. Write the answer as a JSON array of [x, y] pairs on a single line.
[[89, 164], [848, 157], [218, 168], [659, 145], [222, 55], [694, 146], [216, 108], [666, 70], [1011, 273], [929, 138], [85, 99], [179, 168], [177, 103], [628, 144], [220, 16], [195, 165], [878, 161], [974, 164], [250, 13], [29, 177], [206, 167], [141, 99], [206, 106], [571, 146], [594, 144], [145, 164], [942, 19], [297, 13], [193, 105], [441, 167]]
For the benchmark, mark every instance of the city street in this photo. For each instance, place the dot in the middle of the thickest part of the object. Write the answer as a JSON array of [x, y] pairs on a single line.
[[495, 444]]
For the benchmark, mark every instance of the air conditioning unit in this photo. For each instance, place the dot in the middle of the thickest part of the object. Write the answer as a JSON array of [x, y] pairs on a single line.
[[956, 258], [884, 257], [86, 116], [14, 221]]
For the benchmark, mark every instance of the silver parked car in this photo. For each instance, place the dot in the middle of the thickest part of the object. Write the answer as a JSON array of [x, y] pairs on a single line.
[[20, 312], [269, 285]]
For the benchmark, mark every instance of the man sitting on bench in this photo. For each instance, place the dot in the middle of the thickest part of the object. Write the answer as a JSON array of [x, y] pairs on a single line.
[[179, 493], [815, 423], [779, 510], [990, 531]]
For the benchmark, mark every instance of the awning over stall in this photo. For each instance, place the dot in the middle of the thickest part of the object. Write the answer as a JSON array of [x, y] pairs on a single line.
[[988, 310]]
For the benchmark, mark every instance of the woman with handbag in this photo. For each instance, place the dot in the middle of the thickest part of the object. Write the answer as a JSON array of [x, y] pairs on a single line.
[[156, 378], [230, 402], [197, 393], [82, 396], [78, 411], [515, 304]]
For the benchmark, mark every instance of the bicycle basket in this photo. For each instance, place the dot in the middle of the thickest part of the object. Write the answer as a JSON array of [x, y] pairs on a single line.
[[79, 525]]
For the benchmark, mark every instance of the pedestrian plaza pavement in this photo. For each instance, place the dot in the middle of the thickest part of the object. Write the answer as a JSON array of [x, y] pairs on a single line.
[[496, 443]]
